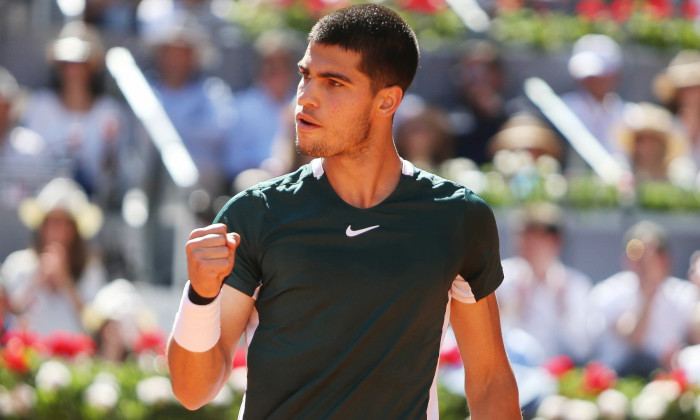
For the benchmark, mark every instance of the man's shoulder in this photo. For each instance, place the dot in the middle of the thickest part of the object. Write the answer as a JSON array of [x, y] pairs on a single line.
[[441, 188], [282, 185]]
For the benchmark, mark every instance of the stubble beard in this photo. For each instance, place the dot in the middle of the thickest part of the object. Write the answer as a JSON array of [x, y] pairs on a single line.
[[352, 144]]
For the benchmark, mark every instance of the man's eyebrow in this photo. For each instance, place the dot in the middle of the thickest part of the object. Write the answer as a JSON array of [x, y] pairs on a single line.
[[327, 74], [338, 76]]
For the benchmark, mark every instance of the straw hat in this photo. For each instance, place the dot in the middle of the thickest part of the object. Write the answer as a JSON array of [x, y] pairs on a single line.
[[66, 195], [683, 71], [544, 215], [77, 43], [526, 132], [648, 117], [183, 32]]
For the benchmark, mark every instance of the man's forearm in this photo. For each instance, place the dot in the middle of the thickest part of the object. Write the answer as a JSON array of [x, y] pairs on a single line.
[[497, 399], [197, 377]]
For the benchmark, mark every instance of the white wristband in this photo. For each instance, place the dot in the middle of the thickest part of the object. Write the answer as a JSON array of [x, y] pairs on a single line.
[[197, 328]]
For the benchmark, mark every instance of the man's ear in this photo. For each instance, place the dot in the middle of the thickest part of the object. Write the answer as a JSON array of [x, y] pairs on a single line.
[[388, 100]]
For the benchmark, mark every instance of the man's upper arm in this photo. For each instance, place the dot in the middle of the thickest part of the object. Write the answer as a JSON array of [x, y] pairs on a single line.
[[236, 308], [477, 329]]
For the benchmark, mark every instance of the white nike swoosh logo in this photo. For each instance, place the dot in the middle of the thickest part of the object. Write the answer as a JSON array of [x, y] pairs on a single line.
[[350, 232]]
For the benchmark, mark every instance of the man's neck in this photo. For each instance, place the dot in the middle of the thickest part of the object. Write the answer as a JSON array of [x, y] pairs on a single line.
[[366, 179]]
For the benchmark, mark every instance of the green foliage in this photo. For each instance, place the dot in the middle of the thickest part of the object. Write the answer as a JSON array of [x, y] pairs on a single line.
[[553, 30]]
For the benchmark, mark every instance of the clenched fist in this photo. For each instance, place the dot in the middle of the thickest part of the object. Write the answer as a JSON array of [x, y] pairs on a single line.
[[211, 253]]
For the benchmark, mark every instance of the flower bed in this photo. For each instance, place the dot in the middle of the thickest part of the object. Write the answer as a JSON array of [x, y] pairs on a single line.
[[595, 392], [57, 377]]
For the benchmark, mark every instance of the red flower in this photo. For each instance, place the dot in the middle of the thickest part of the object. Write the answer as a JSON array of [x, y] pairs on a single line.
[[68, 345], [559, 365], [689, 9], [677, 375], [509, 5], [591, 9], [239, 358], [424, 6], [153, 341], [659, 9], [14, 356], [621, 10], [450, 357], [597, 377], [27, 338], [317, 6]]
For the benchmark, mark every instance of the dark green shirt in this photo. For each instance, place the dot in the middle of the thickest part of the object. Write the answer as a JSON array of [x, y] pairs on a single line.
[[352, 302]]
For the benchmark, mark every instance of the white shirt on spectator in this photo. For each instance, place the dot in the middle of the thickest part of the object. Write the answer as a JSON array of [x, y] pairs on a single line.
[[668, 322], [47, 311], [552, 310], [600, 118], [84, 137]]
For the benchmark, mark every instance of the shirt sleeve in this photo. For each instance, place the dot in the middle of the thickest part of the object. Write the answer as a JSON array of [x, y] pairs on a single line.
[[481, 266], [244, 215]]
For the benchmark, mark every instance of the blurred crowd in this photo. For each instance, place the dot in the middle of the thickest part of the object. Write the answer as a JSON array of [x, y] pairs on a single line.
[[72, 150]]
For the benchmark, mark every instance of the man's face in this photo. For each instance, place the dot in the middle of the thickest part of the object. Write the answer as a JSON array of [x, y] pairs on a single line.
[[649, 150], [534, 243], [177, 61], [645, 259], [334, 103]]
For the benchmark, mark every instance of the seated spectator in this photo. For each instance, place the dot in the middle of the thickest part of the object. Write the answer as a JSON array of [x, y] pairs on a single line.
[[25, 161], [423, 136], [116, 318], [260, 107], [650, 140], [48, 283], [641, 315], [524, 132], [678, 88], [197, 105], [76, 118], [481, 111], [540, 295], [595, 65]]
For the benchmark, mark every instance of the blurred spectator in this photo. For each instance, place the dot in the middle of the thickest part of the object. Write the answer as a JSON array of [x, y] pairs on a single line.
[[48, 283], [26, 162], [595, 65], [540, 295], [198, 106], [284, 158], [116, 318], [481, 112], [258, 109], [423, 136], [115, 18], [694, 269], [642, 314], [650, 140], [231, 42], [78, 120], [524, 132], [678, 87], [694, 277]]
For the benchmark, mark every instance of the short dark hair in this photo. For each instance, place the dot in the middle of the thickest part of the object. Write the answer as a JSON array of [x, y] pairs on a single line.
[[387, 44], [647, 231], [539, 215]]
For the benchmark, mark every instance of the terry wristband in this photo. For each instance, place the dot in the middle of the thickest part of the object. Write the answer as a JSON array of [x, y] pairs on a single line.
[[197, 328]]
